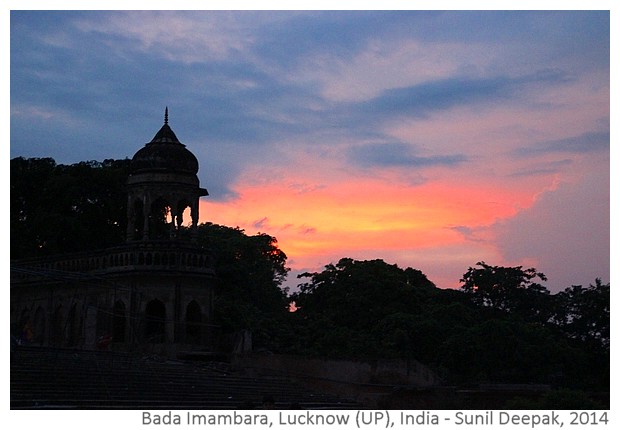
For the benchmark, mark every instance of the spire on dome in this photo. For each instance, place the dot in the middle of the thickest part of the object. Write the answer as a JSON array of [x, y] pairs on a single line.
[[165, 133]]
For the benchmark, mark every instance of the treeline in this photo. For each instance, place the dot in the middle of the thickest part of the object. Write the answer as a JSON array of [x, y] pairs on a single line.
[[501, 326]]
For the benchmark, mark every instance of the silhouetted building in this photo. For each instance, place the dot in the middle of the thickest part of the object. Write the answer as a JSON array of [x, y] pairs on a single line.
[[154, 293]]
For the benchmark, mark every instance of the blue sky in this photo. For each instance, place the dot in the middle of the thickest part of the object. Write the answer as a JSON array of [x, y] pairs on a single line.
[[431, 139]]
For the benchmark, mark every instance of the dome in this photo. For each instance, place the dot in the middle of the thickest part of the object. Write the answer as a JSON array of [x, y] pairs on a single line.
[[164, 153]]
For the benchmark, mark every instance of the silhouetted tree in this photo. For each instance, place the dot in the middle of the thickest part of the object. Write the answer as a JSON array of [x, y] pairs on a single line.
[[510, 289], [66, 208], [357, 294], [249, 294], [361, 308], [584, 313]]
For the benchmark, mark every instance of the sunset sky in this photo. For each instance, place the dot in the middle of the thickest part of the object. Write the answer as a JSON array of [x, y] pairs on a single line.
[[429, 139]]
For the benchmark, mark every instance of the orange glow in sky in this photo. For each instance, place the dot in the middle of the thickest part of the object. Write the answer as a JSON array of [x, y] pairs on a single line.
[[339, 220]]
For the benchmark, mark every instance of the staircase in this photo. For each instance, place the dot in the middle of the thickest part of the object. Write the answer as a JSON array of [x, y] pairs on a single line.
[[47, 378]]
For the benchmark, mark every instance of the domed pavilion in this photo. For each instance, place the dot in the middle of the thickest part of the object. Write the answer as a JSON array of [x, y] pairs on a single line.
[[153, 294]]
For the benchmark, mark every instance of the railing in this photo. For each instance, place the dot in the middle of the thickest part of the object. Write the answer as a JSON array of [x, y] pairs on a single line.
[[162, 255]]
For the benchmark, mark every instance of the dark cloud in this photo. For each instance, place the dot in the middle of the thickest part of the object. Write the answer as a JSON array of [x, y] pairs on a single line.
[[420, 100], [537, 169], [398, 155], [261, 223], [305, 230], [469, 233], [586, 142]]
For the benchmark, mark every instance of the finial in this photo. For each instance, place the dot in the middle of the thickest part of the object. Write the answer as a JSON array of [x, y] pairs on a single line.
[[166, 116]]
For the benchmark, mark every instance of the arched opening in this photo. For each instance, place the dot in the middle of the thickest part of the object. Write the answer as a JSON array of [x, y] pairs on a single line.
[[73, 327], [119, 322], [56, 335], [193, 323], [137, 220], [183, 218], [160, 220], [155, 322], [39, 326], [25, 327], [184, 214]]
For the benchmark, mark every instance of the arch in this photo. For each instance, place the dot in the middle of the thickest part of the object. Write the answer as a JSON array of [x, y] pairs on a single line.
[[119, 322], [160, 219], [193, 323], [183, 213], [25, 327], [155, 322], [39, 326], [73, 327], [56, 334], [135, 224]]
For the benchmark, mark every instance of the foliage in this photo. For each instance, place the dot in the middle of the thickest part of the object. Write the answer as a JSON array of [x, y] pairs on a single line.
[[501, 327], [509, 289], [250, 271], [57, 208], [583, 313], [363, 309], [351, 289]]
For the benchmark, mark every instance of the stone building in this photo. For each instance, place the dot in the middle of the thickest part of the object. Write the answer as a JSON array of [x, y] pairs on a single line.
[[154, 293]]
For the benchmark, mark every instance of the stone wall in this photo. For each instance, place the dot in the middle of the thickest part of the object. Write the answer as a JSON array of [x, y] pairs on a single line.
[[367, 382], [343, 376]]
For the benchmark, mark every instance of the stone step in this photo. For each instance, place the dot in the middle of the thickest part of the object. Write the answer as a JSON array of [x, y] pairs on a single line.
[[47, 378]]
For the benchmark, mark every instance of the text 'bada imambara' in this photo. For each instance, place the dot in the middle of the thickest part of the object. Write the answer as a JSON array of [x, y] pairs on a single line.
[[153, 293]]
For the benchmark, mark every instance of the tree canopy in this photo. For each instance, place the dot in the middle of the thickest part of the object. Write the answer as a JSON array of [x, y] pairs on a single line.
[[500, 327], [58, 208], [250, 271]]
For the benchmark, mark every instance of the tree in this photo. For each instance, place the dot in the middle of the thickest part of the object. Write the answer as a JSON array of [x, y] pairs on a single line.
[[510, 289], [66, 208], [351, 308], [28, 185], [250, 271], [357, 294], [584, 313]]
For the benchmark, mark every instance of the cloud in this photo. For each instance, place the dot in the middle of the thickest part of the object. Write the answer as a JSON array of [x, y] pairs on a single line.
[[261, 223], [542, 168], [419, 102], [305, 230], [398, 155], [184, 36], [445, 93], [401, 49], [565, 234], [471, 234], [586, 142]]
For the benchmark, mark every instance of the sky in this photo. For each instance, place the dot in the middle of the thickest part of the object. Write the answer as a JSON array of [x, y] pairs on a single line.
[[428, 139]]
